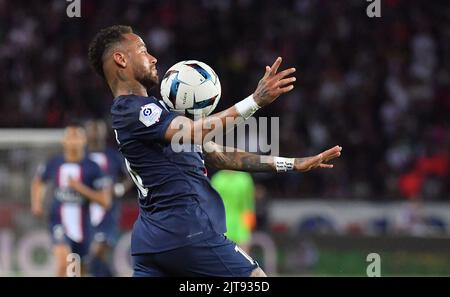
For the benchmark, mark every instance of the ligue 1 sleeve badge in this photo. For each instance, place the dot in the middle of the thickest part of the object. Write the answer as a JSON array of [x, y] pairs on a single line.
[[150, 114]]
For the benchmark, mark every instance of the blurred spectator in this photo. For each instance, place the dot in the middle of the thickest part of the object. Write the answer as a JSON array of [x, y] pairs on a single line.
[[377, 87]]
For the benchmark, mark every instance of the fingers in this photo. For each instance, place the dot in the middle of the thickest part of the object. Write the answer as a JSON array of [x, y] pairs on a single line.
[[332, 156], [313, 161], [286, 89], [276, 64], [324, 165], [316, 161], [274, 68], [285, 73], [286, 81], [281, 84], [332, 153], [335, 154], [267, 73]]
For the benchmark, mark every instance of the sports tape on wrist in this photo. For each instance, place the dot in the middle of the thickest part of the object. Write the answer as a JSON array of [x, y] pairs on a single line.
[[284, 164], [247, 107]]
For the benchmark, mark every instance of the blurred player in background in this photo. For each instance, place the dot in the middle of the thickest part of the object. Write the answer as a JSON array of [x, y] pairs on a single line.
[[105, 221], [77, 182], [238, 194]]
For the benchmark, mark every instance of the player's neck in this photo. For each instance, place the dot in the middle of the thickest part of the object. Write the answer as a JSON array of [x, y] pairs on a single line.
[[73, 156], [123, 88]]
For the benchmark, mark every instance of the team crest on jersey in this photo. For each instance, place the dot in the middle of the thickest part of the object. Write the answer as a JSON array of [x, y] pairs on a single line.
[[150, 114]]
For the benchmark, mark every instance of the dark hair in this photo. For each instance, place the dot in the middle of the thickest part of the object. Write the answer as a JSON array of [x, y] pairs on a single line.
[[74, 123], [103, 41]]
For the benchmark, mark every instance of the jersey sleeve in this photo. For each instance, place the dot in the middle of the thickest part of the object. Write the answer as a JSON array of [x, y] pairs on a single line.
[[44, 170], [152, 121]]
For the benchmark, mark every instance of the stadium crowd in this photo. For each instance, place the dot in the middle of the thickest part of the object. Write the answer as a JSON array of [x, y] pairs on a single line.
[[379, 87]]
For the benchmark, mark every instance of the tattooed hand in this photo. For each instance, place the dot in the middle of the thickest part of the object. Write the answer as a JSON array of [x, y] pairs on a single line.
[[273, 84]]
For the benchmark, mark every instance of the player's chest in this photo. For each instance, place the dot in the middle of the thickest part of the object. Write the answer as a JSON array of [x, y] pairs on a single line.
[[66, 172]]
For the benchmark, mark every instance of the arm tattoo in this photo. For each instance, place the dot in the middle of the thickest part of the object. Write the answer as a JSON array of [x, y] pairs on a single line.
[[238, 161], [251, 162]]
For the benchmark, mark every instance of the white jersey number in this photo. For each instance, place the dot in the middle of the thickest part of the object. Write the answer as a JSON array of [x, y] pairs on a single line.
[[134, 176], [136, 179]]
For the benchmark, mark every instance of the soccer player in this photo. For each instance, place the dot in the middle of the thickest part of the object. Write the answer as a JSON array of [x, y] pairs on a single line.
[[77, 181], [180, 227], [238, 193], [105, 221]]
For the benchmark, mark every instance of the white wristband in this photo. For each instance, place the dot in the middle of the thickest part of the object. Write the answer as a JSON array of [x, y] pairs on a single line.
[[283, 164], [119, 189], [247, 107]]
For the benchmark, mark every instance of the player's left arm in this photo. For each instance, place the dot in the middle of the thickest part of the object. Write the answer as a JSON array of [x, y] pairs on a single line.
[[235, 159]]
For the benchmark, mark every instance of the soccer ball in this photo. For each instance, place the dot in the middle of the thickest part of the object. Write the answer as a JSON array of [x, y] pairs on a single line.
[[191, 88]]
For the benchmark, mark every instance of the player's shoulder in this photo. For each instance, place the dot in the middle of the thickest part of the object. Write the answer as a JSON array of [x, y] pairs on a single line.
[[90, 164], [150, 105], [131, 109], [50, 165], [130, 103], [55, 160]]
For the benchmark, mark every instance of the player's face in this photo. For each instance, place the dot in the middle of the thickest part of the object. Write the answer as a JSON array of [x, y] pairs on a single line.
[[95, 131], [74, 139], [143, 63]]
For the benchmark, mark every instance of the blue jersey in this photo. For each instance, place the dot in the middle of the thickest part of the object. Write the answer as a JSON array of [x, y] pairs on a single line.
[[69, 214], [177, 204], [112, 165], [110, 161]]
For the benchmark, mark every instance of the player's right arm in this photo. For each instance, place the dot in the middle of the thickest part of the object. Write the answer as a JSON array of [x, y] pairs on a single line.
[[37, 195], [269, 88], [38, 187]]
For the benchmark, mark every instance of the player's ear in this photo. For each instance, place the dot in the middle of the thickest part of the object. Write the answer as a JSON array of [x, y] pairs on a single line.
[[120, 59]]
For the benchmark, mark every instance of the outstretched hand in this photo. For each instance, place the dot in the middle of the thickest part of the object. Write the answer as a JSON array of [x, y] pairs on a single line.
[[320, 160], [273, 84]]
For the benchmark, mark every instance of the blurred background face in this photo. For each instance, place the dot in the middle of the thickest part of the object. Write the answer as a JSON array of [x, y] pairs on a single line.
[[96, 133], [74, 140]]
